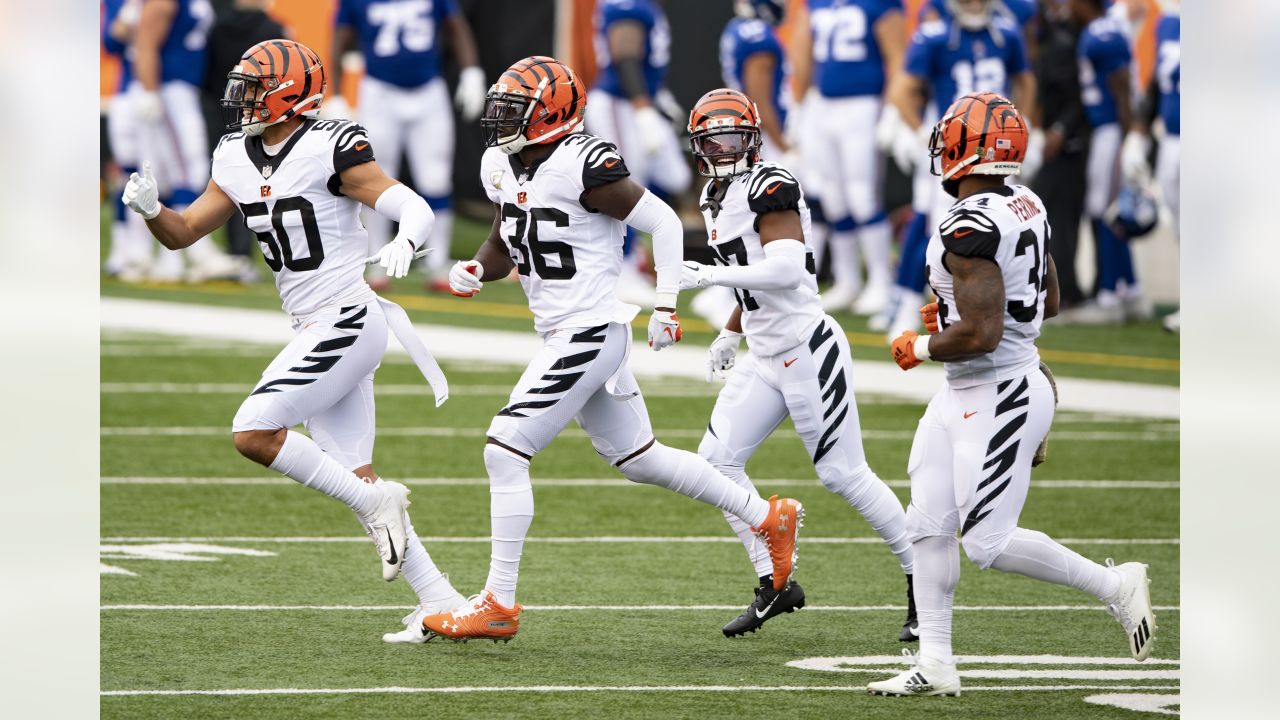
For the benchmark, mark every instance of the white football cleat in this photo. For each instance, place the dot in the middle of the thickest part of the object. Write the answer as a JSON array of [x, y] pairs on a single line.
[[924, 678], [386, 526], [1132, 608], [839, 297], [413, 632]]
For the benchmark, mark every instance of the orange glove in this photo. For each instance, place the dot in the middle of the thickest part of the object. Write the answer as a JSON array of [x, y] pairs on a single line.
[[929, 314], [904, 350]]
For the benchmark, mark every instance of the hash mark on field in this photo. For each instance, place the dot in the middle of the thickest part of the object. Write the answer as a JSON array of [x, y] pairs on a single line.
[[618, 482], [611, 688], [729, 539], [616, 608]]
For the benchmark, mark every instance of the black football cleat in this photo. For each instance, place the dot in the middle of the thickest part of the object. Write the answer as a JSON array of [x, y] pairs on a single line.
[[768, 603], [911, 628]]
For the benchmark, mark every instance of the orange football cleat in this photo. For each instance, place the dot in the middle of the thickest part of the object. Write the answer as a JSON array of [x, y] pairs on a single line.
[[480, 617], [779, 531]]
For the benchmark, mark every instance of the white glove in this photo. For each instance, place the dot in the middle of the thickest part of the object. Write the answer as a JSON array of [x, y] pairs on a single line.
[[887, 127], [1133, 158], [336, 107], [909, 148], [396, 256], [664, 329], [148, 107], [695, 275], [722, 354], [653, 129], [469, 96], [464, 278], [141, 194], [1034, 160]]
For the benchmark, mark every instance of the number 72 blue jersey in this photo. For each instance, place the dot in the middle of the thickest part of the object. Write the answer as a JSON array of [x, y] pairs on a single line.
[[846, 56], [398, 38]]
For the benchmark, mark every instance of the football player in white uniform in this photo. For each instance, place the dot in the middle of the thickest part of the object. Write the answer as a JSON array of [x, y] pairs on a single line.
[[562, 200], [299, 184], [971, 459], [798, 363]]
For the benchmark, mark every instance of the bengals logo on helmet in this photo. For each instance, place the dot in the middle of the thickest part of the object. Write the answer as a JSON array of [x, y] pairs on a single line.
[[274, 81], [981, 134]]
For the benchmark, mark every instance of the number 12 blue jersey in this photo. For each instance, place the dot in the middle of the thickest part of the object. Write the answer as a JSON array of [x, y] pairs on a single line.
[[973, 63]]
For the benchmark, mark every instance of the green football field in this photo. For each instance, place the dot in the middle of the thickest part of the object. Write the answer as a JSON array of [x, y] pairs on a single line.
[[230, 592]]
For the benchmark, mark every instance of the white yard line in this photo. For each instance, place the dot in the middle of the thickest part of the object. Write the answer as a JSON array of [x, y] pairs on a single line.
[[450, 343], [476, 432], [611, 608], [609, 689], [609, 539], [615, 482]]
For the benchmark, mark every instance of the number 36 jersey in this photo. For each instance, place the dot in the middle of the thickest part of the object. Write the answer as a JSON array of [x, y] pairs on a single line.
[[1009, 227], [310, 233], [774, 321], [567, 255]]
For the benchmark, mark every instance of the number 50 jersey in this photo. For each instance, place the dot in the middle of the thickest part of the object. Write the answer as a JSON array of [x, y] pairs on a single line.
[[1009, 227], [568, 256], [310, 233]]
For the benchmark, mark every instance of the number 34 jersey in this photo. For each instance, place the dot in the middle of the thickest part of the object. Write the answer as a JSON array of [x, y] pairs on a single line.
[[310, 233], [1009, 227], [568, 256], [774, 321]]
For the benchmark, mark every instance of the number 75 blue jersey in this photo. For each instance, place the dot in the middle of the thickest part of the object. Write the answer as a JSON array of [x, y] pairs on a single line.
[[846, 56], [398, 38]]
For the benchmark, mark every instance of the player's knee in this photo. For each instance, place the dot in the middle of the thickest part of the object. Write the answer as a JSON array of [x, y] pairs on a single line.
[[714, 450], [260, 446], [505, 465], [983, 549], [654, 464], [921, 525], [839, 479]]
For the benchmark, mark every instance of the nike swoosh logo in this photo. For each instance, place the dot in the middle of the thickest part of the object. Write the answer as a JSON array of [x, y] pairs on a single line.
[[394, 558], [361, 145], [962, 233], [970, 414], [760, 615], [610, 163], [787, 363], [771, 188]]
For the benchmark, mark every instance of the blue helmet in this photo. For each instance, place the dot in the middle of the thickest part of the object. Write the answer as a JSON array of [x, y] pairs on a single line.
[[1134, 212], [770, 11]]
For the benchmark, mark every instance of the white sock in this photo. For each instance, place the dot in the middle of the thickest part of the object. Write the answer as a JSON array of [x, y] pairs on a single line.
[[1036, 555], [757, 551], [936, 575], [301, 459], [421, 572], [875, 241], [139, 245], [439, 241], [877, 504], [845, 264], [692, 476], [510, 514]]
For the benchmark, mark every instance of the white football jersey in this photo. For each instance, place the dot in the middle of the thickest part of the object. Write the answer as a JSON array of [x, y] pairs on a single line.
[[774, 321], [568, 257], [310, 233], [1010, 227]]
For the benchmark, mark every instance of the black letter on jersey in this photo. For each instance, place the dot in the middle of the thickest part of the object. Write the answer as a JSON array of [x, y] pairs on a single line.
[[281, 254]]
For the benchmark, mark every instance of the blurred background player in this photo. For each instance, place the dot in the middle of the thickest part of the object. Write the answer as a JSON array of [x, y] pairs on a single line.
[[130, 255], [972, 454], [798, 364], [966, 47], [1106, 81], [753, 62], [168, 65], [404, 103], [848, 50], [299, 183], [561, 198], [630, 107]]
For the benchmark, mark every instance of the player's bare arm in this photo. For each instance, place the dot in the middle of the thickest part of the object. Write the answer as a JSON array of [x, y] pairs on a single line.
[[1051, 295], [626, 47], [461, 40], [1118, 83], [800, 53], [1023, 91], [757, 79], [209, 212], [620, 200], [492, 255], [907, 94], [344, 41], [980, 302], [153, 27], [365, 183], [891, 35]]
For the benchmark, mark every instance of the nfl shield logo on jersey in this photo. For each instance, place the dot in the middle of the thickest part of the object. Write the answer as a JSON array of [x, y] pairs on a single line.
[[266, 171]]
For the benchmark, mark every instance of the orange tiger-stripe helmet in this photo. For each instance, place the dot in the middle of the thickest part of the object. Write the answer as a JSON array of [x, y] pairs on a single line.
[[537, 100], [980, 134], [724, 133], [274, 81]]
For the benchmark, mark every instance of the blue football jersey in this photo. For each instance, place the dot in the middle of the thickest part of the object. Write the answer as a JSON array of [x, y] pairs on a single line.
[[657, 44], [1169, 71], [740, 40], [399, 39], [1020, 12], [111, 9], [1104, 48], [183, 54], [974, 63], [846, 56]]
